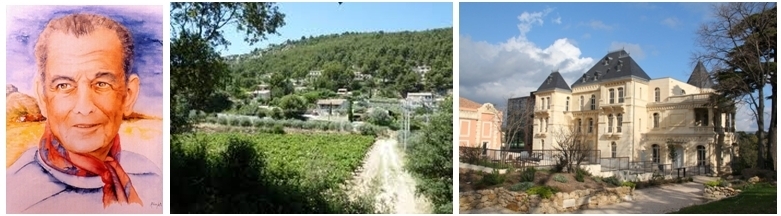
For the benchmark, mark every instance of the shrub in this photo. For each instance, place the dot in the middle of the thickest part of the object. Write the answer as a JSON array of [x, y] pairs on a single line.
[[493, 178], [222, 120], [597, 179], [560, 178], [278, 129], [521, 186], [612, 180], [712, 183], [246, 122], [545, 192], [527, 175], [580, 174], [629, 184]]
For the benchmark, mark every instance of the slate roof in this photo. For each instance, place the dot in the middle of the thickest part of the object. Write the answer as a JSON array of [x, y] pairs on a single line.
[[554, 81], [616, 64], [700, 77]]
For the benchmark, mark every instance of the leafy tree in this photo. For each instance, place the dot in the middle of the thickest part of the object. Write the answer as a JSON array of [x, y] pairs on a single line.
[[197, 70], [380, 117], [431, 159], [292, 105], [741, 41]]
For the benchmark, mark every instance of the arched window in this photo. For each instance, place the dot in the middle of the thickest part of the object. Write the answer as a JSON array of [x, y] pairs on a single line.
[[700, 155], [621, 95], [655, 153], [610, 123], [656, 120], [593, 102], [657, 95], [581, 103], [548, 99], [612, 95], [613, 150], [566, 108], [619, 122], [590, 125], [580, 122]]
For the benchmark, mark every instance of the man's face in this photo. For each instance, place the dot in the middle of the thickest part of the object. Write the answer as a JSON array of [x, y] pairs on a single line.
[[84, 92]]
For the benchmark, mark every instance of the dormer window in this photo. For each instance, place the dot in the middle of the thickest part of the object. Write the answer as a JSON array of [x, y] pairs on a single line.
[[596, 75], [550, 79]]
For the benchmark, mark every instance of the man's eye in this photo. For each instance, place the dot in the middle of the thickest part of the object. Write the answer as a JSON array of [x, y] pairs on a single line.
[[63, 86], [102, 85]]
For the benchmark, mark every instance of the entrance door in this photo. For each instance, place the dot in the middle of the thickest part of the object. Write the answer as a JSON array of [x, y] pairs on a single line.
[[678, 157]]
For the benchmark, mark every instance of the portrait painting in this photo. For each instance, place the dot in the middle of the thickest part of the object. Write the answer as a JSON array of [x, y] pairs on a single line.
[[84, 109]]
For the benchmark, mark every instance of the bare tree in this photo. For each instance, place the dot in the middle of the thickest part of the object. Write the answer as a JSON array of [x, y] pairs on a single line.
[[571, 146], [742, 39], [514, 122]]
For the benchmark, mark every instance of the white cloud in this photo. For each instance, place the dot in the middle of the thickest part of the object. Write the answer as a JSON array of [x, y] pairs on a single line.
[[746, 121], [528, 19], [495, 72], [671, 22], [597, 25], [633, 49], [557, 20]]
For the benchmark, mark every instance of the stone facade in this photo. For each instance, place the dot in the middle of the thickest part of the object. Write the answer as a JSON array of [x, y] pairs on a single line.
[[521, 202]]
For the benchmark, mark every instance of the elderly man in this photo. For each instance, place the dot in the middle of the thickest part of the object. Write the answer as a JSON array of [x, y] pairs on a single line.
[[85, 89]]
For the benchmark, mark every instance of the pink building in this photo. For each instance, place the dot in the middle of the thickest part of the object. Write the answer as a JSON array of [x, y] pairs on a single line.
[[480, 125]]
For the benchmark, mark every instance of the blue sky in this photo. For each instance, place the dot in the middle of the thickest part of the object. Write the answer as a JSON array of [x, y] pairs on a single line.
[[305, 19], [525, 41]]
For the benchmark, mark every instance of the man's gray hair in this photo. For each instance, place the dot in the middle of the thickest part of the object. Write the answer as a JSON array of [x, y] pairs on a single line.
[[79, 25]]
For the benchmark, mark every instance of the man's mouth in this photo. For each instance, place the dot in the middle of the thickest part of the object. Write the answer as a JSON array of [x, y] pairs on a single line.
[[85, 126]]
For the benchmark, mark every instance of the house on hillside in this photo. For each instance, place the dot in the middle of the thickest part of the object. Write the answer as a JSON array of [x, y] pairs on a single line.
[[343, 92], [479, 125], [420, 98], [262, 91], [624, 113], [331, 106]]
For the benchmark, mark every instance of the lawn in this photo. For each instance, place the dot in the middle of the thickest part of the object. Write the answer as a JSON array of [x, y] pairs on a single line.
[[759, 199]]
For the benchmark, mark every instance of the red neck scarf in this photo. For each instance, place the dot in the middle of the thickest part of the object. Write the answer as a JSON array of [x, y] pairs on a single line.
[[116, 183]]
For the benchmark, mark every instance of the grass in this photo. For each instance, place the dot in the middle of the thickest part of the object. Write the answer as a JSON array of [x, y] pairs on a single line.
[[758, 199]]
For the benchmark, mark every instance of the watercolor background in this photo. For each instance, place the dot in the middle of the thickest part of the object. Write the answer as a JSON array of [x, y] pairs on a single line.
[[24, 23]]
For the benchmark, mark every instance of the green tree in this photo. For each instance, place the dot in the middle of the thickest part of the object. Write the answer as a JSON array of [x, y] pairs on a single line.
[[431, 159], [197, 70], [292, 105], [741, 41]]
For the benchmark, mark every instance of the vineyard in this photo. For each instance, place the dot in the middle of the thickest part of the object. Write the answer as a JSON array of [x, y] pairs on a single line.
[[270, 173]]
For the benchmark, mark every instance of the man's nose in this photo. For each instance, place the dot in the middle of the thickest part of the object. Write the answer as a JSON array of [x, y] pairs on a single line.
[[84, 104]]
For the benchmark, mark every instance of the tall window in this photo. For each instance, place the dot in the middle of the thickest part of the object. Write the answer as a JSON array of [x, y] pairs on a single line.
[[543, 103], [612, 96], [700, 155], [728, 125], [590, 125], [566, 108], [542, 144], [548, 99], [580, 122], [657, 95], [593, 102], [581, 103], [613, 149], [610, 123], [620, 95], [655, 153], [541, 125], [546, 124], [485, 148], [656, 120], [701, 117], [619, 122]]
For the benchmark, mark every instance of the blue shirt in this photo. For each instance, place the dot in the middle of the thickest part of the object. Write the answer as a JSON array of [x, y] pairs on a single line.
[[34, 187]]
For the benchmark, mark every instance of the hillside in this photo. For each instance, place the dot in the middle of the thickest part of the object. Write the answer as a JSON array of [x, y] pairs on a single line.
[[389, 58]]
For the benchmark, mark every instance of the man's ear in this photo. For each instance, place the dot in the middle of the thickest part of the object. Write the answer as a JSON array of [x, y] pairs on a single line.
[[39, 88], [133, 85]]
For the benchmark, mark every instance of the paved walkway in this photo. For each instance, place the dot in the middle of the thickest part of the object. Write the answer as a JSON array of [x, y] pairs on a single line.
[[657, 200]]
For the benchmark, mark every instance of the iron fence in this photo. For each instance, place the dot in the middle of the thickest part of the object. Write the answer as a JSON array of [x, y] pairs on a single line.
[[522, 158]]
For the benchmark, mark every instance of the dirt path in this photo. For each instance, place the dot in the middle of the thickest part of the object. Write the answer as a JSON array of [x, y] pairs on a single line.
[[384, 178]]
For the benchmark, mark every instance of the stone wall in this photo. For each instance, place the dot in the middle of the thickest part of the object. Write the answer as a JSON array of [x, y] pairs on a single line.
[[716, 192], [560, 202]]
